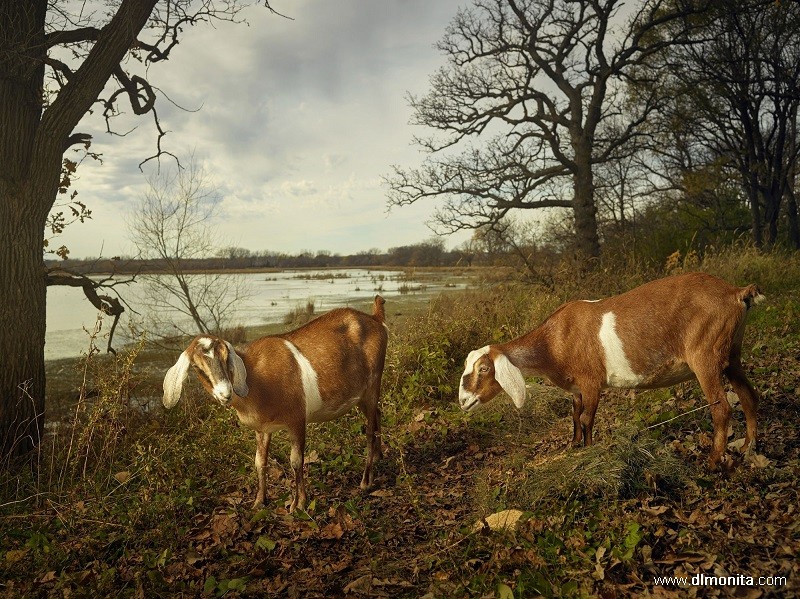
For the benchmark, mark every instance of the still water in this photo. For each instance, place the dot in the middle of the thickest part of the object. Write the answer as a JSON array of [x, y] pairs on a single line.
[[71, 318]]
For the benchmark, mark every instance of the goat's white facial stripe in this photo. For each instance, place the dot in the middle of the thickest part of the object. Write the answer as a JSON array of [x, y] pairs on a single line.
[[618, 369], [467, 399], [206, 344], [309, 379], [473, 357]]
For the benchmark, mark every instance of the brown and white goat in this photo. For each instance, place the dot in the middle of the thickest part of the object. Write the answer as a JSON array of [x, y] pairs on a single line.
[[312, 374], [662, 333]]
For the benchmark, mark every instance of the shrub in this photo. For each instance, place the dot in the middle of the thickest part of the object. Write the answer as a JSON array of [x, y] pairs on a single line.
[[300, 314]]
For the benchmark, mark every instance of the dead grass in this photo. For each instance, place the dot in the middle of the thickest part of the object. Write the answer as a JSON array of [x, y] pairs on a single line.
[[599, 521]]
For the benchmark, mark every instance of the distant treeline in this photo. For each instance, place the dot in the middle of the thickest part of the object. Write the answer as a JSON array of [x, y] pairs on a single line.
[[427, 254]]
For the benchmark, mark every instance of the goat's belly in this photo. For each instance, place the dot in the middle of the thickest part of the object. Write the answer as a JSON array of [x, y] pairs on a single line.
[[329, 410], [666, 375], [660, 375], [260, 425]]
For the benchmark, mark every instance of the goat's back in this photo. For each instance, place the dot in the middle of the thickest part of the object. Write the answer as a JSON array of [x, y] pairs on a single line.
[[345, 348], [660, 326]]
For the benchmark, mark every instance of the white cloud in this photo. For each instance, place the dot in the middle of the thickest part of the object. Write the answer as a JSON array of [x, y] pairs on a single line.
[[298, 121]]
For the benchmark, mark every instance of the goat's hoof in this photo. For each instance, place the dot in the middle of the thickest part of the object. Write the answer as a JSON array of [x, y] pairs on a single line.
[[722, 465], [749, 448], [296, 505], [258, 504]]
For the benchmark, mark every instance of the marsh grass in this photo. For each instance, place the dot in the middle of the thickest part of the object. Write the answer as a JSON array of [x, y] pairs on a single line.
[[300, 314]]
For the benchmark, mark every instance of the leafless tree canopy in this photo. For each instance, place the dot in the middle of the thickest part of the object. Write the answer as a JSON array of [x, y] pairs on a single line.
[[173, 223], [522, 109], [734, 113]]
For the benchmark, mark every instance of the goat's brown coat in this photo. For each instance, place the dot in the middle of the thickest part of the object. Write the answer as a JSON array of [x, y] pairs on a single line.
[[346, 349], [671, 329]]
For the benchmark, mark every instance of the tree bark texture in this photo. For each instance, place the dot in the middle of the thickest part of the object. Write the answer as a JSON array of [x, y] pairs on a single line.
[[32, 143]]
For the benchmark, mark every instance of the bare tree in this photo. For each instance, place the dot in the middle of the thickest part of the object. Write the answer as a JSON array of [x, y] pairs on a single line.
[[526, 94], [172, 225], [737, 108], [57, 58]]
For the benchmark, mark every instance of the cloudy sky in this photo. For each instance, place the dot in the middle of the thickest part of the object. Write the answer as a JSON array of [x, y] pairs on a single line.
[[297, 122]]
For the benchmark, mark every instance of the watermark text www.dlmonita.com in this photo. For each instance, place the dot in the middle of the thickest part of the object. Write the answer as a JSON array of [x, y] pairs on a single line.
[[740, 580]]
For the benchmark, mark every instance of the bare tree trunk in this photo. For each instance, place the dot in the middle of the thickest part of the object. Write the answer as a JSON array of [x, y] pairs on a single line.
[[791, 214], [771, 214], [32, 145], [790, 187], [755, 216], [22, 283], [585, 207], [22, 310]]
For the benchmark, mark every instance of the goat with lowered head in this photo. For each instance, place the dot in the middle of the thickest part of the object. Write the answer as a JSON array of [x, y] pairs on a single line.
[[315, 373], [662, 333]]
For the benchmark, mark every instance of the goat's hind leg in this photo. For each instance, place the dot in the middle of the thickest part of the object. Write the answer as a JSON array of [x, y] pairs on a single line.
[[577, 410], [370, 409], [711, 382], [262, 451], [748, 397]]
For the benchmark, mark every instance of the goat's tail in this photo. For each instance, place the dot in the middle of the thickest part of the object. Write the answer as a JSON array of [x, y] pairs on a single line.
[[751, 295], [378, 312]]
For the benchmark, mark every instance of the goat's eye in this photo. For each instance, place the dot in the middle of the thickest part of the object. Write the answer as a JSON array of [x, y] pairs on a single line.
[[483, 368]]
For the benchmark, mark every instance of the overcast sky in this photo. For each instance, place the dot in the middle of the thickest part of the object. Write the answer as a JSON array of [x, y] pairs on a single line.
[[297, 122]]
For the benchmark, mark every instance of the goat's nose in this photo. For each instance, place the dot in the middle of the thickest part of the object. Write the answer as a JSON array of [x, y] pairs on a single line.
[[223, 391]]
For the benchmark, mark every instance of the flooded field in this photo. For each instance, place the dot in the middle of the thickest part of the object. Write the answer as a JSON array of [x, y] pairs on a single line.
[[70, 317]]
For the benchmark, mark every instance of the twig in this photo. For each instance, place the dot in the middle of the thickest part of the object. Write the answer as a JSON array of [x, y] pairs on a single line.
[[678, 416]]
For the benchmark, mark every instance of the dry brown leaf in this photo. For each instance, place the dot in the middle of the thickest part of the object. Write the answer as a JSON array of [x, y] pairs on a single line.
[[736, 444], [504, 520], [331, 531], [48, 577], [382, 493], [14, 555], [759, 461], [655, 510]]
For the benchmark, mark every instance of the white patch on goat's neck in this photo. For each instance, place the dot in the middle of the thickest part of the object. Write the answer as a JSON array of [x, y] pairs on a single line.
[[618, 369], [308, 377]]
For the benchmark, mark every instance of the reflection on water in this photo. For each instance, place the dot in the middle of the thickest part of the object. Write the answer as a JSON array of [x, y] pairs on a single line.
[[273, 295]]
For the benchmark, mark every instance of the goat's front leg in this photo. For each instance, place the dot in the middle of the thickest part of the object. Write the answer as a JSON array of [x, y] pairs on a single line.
[[577, 410], [262, 451], [298, 441]]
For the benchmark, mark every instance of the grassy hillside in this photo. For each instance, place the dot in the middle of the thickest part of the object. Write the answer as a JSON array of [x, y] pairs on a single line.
[[146, 503]]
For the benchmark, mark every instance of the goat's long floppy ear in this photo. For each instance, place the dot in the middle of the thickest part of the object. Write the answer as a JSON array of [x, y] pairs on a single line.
[[174, 379], [238, 372], [510, 379]]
